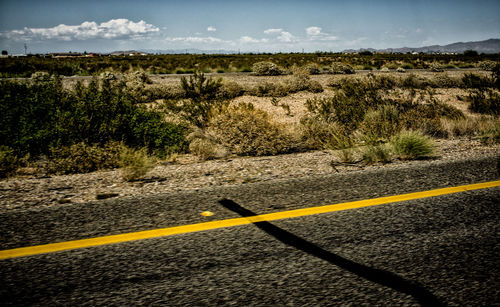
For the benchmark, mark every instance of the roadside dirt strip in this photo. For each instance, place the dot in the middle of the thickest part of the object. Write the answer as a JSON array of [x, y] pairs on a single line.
[[69, 222]]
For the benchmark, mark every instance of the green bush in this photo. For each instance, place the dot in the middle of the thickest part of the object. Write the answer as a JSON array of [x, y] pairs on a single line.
[[348, 106], [266, 69], [203, 95], [247, 131], [412, 145], [41, 115]]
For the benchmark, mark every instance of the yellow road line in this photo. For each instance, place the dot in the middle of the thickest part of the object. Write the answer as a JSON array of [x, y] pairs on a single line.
[[62, 246]]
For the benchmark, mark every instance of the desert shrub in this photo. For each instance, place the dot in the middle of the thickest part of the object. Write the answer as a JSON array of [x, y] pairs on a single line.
[[302, 82], [108, 75], [422, 111], [475, 81], [412, 145], [84, 158], [230, 90], [40, 76], [205, 146], [484, 101], [245, 130], [310, 69], [160, 91], [9, 161], [487, 65], [266, 69], [376, 153], [415, 82], [135, 163], [348, 106], [340, 68], [407, 66], [435, 67], [380, 124], [203, 96], [41, 115], [245, 69], [320, 134], [269, 89], [385, 82], [443, 80]]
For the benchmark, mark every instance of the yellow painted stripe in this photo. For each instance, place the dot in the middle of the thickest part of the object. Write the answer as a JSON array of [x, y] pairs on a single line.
[[69, 245]]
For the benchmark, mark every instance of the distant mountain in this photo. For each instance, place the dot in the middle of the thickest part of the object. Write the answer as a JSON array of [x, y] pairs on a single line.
[[486, 46]]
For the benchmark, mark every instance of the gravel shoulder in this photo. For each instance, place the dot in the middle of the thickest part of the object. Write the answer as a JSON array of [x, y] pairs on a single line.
[[187, 173]]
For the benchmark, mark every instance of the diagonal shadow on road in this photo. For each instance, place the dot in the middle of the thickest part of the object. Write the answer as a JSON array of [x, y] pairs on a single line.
[[385, 278]]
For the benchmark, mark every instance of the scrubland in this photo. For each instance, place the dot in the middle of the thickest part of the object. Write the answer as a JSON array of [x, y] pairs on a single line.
[[135, 121]]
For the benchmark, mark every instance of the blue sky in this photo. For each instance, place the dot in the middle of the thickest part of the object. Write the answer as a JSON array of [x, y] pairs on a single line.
[[271, 26]]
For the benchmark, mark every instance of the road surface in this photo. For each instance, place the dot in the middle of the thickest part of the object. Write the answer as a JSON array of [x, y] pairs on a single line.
[[429, 251]]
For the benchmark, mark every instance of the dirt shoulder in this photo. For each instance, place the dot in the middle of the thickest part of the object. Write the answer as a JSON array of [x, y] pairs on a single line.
[[187, 173]]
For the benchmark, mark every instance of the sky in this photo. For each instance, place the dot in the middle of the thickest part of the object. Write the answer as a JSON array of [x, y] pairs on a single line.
[[245, 26]]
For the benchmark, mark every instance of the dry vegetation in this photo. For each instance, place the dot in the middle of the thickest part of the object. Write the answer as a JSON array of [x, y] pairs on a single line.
[[369, 118]]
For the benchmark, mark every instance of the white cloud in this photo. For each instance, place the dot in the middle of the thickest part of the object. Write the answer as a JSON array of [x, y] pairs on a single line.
[[316, 33], [250, 40], [211, 29], [195, 39], [313, 31], [282, 36], [273, 31], [112, 29]]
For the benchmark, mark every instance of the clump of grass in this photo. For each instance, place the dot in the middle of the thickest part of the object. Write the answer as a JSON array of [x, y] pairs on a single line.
[[135, 163], [412, 145], [346, 155], [491, 135], [372, 154]]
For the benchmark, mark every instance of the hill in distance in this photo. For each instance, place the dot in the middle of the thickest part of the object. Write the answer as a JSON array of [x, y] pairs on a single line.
[[486, 46]]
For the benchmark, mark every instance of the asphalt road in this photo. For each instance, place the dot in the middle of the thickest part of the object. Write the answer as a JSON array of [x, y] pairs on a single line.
[[441, 250]]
